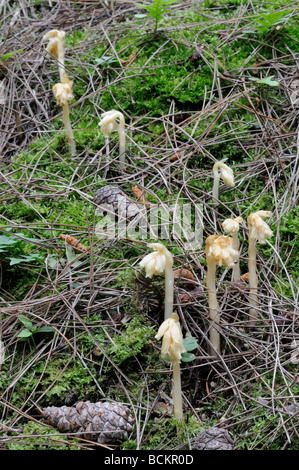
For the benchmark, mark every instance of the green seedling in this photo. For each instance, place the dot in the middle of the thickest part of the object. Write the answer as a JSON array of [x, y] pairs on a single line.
[[30, 329], [189, 344], [10, 54], [156, 10], [273, 20], [265, 81], [106, 60], [11, 245]]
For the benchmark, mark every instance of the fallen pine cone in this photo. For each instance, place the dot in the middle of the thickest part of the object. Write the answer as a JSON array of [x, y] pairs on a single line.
[[120, 202], [103, 422], [73, 242], [213, 438]]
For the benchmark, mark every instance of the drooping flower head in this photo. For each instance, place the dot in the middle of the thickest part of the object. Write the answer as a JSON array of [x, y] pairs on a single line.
[[56, 42], [220, 249], [226, 173], [172, 343], [63, 93], [232, 225], [156, 262], [112, 121], [258, 228]]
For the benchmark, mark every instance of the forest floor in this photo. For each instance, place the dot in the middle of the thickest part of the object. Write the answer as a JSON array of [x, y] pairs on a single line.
[[217, 80]]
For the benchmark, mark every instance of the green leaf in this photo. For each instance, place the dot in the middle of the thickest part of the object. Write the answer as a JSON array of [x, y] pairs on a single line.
[[26, 322], [25, 334], [187, 357], [265, 81], [29, 258], [190, 343], [45, 329], [106, 60], [273, 19], [8, 240], [10, 54]]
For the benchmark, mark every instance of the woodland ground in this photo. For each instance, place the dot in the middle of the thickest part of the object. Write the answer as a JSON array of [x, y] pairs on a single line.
[[219, 80]]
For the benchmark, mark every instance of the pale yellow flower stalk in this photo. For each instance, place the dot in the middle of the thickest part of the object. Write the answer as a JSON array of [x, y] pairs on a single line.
[[55, 49], [62, 91], [159, 262], [63, 94], [114, 121], [2, 352], [259, 231], [219, 251], [232, 227], [172, 346], [223, 171]]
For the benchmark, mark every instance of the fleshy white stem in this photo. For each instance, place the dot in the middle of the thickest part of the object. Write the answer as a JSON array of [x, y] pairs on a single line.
[[236, 246], [253, 279], [122, 147], [177, 391], [216, 185], [68, 129], [259, 231], [169, 289], [213, 307], [62, 90], [173, 347]]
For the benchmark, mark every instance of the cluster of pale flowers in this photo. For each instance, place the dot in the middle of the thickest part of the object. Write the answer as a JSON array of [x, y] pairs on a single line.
[[56, 38], [172, 343], [111, 121], [63, 93], [258, 228], [155, 263], [220, 249], [232, 225]]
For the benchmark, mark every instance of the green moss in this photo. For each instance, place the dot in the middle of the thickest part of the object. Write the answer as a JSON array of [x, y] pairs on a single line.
[[38, 437]]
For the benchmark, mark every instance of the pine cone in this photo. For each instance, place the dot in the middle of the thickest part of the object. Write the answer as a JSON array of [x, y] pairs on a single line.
[[120, 202], [102, 422], [213, 439]]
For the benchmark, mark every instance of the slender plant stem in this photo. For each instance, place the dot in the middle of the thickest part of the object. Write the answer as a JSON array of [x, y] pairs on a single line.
[[236, 246], [169, 283], [122, 148], [68, 128], [253, 280], [216, 186], [177, 391], [214, 308]]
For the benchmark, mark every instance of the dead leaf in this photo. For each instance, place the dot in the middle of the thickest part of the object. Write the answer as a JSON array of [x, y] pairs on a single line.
[[129, 60], [245, 277], [140, 196], [175, 157], [183, 273], [73, 242]]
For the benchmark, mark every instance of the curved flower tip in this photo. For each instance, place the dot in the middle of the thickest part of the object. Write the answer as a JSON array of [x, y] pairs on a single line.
[[232, 225], [155, 263], [258, 228], [112, 121], [220, 249], [63, 93], [226, 173], [55, 37], [172, 344]]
